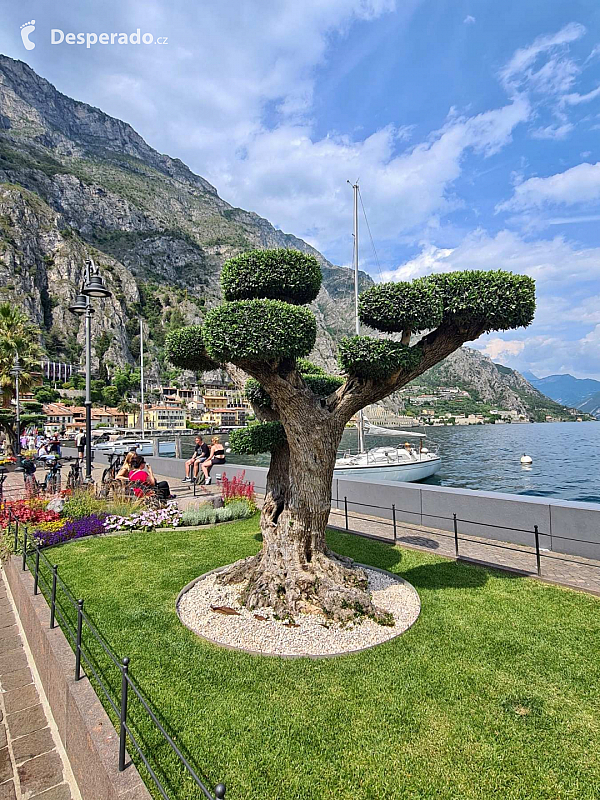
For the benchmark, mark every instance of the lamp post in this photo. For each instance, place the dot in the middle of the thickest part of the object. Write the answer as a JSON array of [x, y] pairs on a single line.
[[93, 287], [16, 371]]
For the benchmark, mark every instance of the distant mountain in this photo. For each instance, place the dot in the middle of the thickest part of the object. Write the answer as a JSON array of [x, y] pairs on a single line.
[[566, 389], [591, 405]]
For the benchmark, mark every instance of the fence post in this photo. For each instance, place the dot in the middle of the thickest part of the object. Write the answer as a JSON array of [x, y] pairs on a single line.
[[345, 513], [37, 570], [394, 518], [78, 643], [455, 535], [17, 536], [538, 555], [25, 550], [122, 728], [53, 596], [220, 791]]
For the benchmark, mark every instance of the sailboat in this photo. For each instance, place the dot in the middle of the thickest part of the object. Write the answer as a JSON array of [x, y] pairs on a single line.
[[390, 463]]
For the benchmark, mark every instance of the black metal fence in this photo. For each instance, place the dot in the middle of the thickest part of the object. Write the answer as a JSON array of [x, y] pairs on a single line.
[[534, 533], [395, 525], [57, 593]]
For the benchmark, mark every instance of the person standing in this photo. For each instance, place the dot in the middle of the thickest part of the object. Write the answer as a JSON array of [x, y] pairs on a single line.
[[80, 443]]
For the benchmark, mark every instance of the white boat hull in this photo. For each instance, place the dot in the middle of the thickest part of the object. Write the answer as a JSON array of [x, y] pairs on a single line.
[[410, 472]]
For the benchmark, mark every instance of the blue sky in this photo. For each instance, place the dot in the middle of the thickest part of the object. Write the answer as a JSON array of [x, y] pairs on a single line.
[[473, 127]]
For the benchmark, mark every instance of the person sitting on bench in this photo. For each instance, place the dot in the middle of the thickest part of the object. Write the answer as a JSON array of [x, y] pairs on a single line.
[[200, 454], [142, 473], [217, 457]]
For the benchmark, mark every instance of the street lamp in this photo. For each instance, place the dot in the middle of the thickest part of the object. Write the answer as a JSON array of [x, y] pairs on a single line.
[[93, 286], [16, 371]]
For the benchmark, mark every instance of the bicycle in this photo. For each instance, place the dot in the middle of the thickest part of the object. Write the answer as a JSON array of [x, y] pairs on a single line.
[[115, 462], [3, 474], [52, 482], [75, 476]]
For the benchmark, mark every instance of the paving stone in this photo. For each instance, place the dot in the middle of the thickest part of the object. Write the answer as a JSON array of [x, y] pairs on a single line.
[[32, 745], [6, 633], [2, 736], [61, 792], [24, 722], [6, 770], [39, 774], [7, 618], [11, 641], [13, 680], [23, 697], [13, 660], [7, 791]]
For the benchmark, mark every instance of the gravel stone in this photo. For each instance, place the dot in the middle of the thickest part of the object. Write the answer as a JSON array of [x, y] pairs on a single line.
[[314, 635]]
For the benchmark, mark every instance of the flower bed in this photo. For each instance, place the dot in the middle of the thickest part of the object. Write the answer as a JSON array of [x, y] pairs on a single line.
[[146, 520]]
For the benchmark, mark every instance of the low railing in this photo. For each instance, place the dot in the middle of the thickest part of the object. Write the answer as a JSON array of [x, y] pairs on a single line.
[[33, 557]]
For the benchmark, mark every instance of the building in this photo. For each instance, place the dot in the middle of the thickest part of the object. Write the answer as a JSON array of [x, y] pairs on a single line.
[[227, 417], [58, 417], [165, 417], [379, 415]]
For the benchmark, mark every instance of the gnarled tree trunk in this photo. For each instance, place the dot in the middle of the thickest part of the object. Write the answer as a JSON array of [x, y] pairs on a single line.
[[295, 572]]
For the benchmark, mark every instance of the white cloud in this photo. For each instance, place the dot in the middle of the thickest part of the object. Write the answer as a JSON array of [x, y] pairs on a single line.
[[556, 132], [576, 99], [556, 75], [580, 184], [299, 183], [469, 20], [497, 348]]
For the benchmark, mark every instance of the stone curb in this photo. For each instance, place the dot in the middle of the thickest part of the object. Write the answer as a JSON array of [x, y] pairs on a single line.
[[298, 655], [88, 736]]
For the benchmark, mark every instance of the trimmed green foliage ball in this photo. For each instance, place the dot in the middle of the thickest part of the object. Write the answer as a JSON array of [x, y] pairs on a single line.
[[306, 367], [185, 348], [276, 274], [395, 307], [256, 395], [498, 299], [259, 330], [323, 385], [375, 359], [262, 438]]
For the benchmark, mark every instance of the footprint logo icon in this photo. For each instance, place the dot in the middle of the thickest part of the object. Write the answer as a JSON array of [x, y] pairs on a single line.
[[27, 29]]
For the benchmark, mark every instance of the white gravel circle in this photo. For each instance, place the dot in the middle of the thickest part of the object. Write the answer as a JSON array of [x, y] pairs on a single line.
[[314, 636]]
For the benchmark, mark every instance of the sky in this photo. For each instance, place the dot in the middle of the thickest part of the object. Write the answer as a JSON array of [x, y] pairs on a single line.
[[473, 128]]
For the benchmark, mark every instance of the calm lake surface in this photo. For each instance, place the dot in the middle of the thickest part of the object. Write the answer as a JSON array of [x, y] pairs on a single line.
[[566, 458]]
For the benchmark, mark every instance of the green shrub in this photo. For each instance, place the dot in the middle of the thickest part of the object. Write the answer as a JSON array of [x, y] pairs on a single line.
[[81, 504], [276, 274], [185, 348], [205, 514], [497, 299], [375, 359], [262, 438], [259, 329], [306, 367], [395, 307]]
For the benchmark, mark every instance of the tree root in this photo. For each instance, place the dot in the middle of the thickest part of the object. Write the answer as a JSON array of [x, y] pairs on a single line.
[[329, 584]]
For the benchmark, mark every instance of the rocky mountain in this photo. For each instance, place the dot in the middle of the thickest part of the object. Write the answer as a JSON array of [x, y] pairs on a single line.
[[76, 182]]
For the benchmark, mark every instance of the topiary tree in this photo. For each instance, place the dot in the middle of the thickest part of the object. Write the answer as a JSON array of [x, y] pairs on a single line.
[[263, 330]]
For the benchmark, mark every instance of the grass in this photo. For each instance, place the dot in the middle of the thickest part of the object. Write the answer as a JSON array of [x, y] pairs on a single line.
[[492, 694]]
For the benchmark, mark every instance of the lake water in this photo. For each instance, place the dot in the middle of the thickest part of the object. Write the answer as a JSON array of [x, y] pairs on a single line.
[[566, 458]]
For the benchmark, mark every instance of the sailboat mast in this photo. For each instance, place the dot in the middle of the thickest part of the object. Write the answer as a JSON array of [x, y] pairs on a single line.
[[361, 430]]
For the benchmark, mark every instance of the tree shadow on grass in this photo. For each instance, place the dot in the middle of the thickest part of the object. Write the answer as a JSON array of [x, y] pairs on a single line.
[[452, 575]]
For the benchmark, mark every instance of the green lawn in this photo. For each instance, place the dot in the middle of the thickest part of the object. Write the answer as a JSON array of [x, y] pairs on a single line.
[[494, 693]]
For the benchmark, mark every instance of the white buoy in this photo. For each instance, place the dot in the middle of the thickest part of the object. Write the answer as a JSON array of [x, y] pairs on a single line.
[[526, 459]]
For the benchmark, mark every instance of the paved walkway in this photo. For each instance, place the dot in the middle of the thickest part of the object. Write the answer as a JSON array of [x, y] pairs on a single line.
[[32, 763], [579, 573]]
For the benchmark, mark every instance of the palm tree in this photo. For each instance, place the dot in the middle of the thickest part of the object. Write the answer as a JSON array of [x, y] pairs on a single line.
[[18, 334]]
